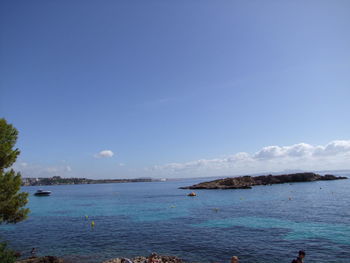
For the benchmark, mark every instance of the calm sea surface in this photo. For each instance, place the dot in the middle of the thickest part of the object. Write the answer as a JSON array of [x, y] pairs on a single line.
[[264, 224]]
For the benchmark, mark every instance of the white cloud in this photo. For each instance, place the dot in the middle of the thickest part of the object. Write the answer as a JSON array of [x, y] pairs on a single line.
[[296, 150], [334, 155], [334, 147], [104, 154]]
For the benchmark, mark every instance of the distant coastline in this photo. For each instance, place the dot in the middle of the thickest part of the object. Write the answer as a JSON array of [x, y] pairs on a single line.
[[57, 180]]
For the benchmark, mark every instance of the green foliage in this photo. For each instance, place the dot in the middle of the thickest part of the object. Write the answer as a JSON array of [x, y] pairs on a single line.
[[11, 200], [6, 255], [8, 138]]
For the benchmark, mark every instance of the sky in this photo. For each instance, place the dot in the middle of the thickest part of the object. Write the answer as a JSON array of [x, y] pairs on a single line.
[[186, 88]]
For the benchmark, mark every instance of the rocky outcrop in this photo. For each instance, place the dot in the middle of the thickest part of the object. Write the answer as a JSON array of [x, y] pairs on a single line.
[[158, 258], [140, 259], [247, 182]]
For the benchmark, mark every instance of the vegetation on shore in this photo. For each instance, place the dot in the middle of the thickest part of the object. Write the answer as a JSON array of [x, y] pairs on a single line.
[[7, 255], [12, 201]]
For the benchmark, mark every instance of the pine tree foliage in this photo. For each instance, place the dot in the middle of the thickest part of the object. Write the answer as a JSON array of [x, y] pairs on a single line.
[[12, 201], [6, 255]]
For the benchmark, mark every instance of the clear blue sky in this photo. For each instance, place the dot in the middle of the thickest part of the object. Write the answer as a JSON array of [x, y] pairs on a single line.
[[160, 82]]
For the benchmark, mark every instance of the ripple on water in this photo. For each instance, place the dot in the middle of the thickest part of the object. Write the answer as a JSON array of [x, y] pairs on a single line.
[[337, 233]]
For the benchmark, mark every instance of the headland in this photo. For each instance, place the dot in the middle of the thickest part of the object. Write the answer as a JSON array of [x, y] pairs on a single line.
[[247, 182]]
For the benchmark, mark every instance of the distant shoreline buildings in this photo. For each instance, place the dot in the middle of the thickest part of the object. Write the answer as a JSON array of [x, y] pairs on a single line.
[[57, 180]]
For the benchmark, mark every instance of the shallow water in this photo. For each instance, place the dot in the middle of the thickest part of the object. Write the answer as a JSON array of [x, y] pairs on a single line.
[[263, 224]]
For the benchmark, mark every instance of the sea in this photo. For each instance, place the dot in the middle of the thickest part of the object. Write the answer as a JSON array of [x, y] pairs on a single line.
[[266, 224]]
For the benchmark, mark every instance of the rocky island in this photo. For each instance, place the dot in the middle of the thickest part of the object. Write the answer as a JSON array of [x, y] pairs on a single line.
[[247, 182]]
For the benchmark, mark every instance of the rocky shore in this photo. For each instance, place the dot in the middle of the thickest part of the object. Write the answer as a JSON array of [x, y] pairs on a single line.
[[139, 259], [158, 258], [247, 182]]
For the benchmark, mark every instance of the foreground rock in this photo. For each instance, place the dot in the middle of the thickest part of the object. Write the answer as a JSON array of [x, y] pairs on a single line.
[[47, 259], [246, 182], [160, 258], [51, 259]]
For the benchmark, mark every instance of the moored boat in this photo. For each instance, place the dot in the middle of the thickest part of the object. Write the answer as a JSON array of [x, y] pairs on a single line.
[[41, 192]]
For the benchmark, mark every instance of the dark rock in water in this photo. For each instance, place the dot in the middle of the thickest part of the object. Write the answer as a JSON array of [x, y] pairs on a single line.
[[247, 182], [159, 258], [47, 259]]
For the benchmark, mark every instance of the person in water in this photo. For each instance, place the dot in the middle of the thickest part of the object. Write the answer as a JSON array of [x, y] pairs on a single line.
[[300, 258], [234, 259], [33, 252]]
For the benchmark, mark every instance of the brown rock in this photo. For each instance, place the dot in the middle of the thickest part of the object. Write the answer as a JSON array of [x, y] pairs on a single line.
[[141, 259]]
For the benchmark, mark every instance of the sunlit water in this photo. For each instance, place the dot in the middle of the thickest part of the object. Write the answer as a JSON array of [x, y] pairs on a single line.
[[263, 224]]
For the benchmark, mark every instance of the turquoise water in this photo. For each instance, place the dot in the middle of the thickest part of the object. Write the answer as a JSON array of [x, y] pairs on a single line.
[[263, 224]]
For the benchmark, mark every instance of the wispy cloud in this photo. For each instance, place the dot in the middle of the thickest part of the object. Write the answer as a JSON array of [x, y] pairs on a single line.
[[104, 154], [334, 155]]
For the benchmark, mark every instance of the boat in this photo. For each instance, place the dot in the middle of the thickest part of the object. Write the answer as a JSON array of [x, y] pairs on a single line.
[[41, 192], [192, 194]]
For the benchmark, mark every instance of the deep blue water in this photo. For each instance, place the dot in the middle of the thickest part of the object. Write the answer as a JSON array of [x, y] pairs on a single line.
[[258, 225]]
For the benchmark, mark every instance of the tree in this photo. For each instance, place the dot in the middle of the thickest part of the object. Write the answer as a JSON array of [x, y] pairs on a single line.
[[7, 255], [12, 201]]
